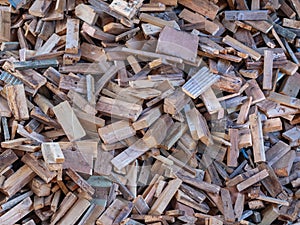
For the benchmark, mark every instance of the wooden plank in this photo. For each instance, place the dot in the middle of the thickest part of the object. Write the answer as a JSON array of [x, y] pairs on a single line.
[[284, 100], [116, 131], [276, 152], [227, 204], [272, 125], [39, 8], [252, 180], [111, 213], [80, 181], [69, 121], [165, 197], [7, 158], [205, 7], [52, 153], [5, 23], [17, 213], [246, 15], [75, 212], [86, 13], [257, 138], [233, 150], [241, 47], [38, 167], [268, 70], [17, 101], [72, 39], [284, 165]]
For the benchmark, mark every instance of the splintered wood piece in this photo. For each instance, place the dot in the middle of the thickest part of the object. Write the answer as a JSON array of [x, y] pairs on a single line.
[[115, 132], [268, 70], [292, 134], [284, 100], [75, 212], [174, 103], [239, 206], [233, 150], [86, 13], [118, 108], [5, 23], [130, 154], [17, 181], [276, 152], [269, 215], [7, 158], [175, 132], [69, 121], [111, 213], [199, 83], [157, 21], [257, 138], [291, 23], [254, 91], [205, 7], [173, 42], [158, 131], [92, 53], [52, 153], [291, 85], [227, 205], [83, 184], [165, 197], [243, 115], [284, 165], [18, 212], [72, 39], [241, 47], [81, 102], [38, 167], [64, 207], [252, 180], [17, 101], [198, 126], [246, 15]]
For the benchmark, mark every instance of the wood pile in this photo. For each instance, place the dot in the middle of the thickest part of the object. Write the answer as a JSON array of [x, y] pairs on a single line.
[[149, 112]]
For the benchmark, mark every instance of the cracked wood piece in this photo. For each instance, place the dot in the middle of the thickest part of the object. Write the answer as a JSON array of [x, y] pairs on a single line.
[[130, 154], [173, 42], [291, 85], [198, 126], [38, 167], [75, 212], [268, 70], [72, 38], [165, 197], [233, 150], [116, 132], [86, 13], [83, 184], [17, 213], [118, 109], [7, 158], [106, 77], [227, 205], [284, 100], [276, 152], [4, 108], [239, 206], [69, 121], [64, 207], [257, 138], [92, 53], [273, 109], [241, 47], [199, 83], [52, 153], [204, 7], [291, 23], [5, 23], [246, 15], [273, 200], [158, 131], [17, 181], [175, 133], [252, 180], [17, 101]]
